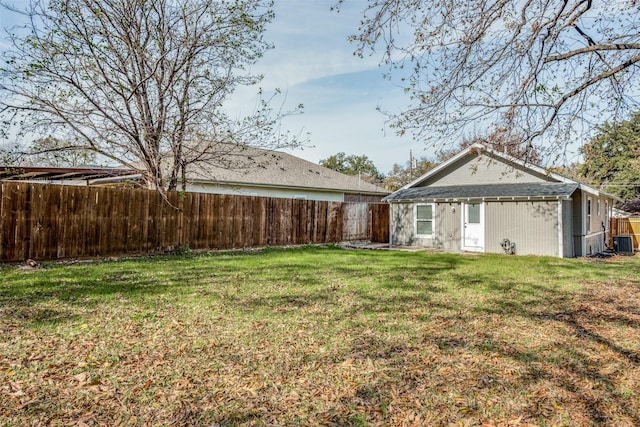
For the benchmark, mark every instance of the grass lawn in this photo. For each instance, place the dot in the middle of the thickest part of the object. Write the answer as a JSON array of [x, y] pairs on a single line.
[[322, 336]]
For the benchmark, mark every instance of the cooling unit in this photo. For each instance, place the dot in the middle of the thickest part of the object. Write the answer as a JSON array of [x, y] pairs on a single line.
[[623, 244]]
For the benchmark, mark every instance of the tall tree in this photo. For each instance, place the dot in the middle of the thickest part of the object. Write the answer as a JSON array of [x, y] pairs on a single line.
[[612, 158], [353, 165], [401, 175], [529, 68], [140, 82], [497, 141], [571, 170]]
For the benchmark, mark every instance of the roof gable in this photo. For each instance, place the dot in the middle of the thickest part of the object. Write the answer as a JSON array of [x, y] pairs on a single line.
[[478, 165]]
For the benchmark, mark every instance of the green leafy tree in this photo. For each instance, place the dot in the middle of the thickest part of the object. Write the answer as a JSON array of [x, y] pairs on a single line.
[[401, 175], [529, 68], [572, 170], [353, 165], [612, 158], [140, 82]]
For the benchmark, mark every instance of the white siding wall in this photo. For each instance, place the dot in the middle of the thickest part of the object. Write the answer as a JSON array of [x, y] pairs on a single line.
[[567, 231], [447, 225], [532, 225], [553, 228], [266, 192], [596, 227], [401, 220]]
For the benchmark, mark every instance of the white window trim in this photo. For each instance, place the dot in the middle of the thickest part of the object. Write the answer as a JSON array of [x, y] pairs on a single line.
[[463, 219], [588, 213], [560, 230], [433, 220]]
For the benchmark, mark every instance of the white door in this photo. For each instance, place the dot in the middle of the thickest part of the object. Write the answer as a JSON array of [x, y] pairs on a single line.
[[473, 227]]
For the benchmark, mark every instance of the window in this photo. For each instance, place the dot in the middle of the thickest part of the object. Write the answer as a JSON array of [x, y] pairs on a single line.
[[598, 208], [588, 215], [606, 215], [425, 220], [473, 213]]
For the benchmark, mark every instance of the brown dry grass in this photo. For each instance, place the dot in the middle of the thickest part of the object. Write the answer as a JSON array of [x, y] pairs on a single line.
[[322, 337]]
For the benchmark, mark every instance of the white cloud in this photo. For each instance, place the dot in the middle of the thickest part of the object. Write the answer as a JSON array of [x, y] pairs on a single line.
[[313, 63], [311, 42]]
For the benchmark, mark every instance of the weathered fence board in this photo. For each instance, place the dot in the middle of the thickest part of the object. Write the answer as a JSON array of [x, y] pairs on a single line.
[[379, 222], [42, 221]]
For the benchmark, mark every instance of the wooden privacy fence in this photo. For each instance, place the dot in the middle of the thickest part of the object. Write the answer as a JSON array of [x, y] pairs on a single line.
[[625, 227], [42, 221]]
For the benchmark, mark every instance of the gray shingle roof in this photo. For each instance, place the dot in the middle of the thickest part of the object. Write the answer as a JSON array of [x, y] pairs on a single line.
[[486, 191], [250, 165]]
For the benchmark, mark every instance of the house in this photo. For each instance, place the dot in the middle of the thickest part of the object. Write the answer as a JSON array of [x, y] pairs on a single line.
[[80, 176], [628, 209], [252, 171], [244, 170], [485, 201]]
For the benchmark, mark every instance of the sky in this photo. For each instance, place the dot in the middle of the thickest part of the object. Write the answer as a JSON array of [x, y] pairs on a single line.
[[313, 64]]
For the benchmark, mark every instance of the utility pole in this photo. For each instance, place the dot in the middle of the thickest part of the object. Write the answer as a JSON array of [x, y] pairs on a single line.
[[410, 165]]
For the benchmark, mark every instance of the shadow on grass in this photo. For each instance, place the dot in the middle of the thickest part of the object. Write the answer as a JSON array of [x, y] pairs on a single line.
[[573, 366], [570, 319], [407, 313], [572, 369], [53, 293]]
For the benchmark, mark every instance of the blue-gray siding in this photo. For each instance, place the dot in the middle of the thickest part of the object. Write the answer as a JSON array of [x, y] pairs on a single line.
[[532, 225]]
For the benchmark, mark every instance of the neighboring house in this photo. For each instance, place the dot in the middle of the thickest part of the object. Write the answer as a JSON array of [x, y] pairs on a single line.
[[246, 171], [61, 175], [258, 172], [628, 209], [486, 201], [625, 226]]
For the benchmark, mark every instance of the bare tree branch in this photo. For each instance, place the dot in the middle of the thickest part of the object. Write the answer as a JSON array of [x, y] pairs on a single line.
[[593, 48], [141, 82], [538, 69]]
